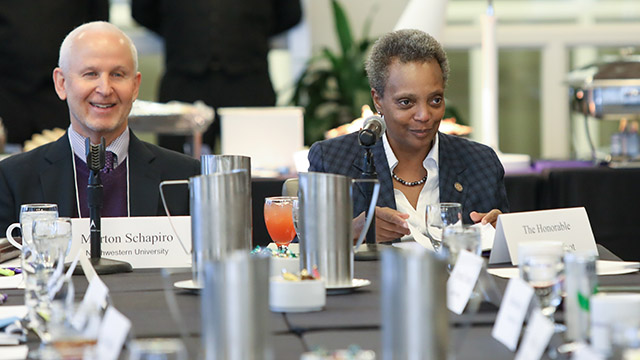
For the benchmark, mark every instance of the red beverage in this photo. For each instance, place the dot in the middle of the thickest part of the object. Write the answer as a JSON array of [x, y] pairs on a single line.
[[279, 219]]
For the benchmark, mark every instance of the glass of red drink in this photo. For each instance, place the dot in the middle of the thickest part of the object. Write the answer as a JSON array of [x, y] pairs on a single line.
[[279, 220]]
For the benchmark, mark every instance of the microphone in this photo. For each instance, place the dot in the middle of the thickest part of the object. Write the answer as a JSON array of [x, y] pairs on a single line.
[[372, 129], [95, 155], [95, 163]]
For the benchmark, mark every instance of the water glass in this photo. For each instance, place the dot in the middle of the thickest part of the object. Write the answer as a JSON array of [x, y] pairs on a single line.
[[541, 265], [29, 212], [457, 238], [157, 349], [440, 216], [42, 266]]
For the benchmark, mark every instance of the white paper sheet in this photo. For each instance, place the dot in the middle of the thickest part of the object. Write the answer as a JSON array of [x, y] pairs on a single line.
[[9, 311], [420, 238], [487, 233], [11, 282], [16, 352]]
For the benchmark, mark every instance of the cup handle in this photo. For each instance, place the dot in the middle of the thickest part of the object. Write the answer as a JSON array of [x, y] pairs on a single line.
[[166, 208], [10, 237], [370, 212]]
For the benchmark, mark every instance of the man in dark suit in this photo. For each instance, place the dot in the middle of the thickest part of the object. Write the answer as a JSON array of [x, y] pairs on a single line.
[[416, 164], [216, 51], [98, 78]]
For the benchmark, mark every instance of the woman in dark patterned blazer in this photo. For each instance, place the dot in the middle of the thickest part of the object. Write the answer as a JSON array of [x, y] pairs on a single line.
[[416, 164]]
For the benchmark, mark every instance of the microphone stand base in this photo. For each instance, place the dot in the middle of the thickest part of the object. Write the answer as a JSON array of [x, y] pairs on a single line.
[[368, 252], [106, 266]]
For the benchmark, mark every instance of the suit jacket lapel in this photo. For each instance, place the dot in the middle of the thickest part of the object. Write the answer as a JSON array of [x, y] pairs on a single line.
[[143, 175], [57, 177], [451, 170]]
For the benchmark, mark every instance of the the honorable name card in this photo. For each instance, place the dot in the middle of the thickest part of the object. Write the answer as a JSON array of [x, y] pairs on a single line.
[[536, 337], [513, 309], [570, 226], [144, 242], [462, 280]]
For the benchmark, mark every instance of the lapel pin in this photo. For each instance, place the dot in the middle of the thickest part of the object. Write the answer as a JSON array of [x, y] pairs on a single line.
[[458, 186]]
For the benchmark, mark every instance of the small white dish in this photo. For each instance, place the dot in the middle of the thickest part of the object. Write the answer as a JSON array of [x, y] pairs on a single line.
[[344, 289], [291, 265], [296, 296], [187, 285]]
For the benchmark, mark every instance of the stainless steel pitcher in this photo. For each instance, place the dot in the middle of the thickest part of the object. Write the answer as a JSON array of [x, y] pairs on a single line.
[[220, 216], [220, 207], [415, 319], [326, 214], [235, 308], [210, 164]]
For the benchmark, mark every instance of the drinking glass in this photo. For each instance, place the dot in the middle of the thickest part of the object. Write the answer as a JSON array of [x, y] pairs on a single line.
[[457, 238], [541, 265], [43, 264], [278, 217], [440, 216], [29, 212]]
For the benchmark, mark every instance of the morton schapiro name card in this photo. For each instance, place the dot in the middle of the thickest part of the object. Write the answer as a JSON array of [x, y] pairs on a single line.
[[144, 242]]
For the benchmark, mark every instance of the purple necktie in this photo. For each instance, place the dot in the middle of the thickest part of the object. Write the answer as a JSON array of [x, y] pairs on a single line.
[[109, 161]]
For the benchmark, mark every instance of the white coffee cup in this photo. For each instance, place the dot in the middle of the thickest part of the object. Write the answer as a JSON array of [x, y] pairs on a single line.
[[28, 212]]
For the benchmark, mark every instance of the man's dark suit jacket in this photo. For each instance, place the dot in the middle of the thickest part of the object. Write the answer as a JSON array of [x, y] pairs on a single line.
[[472, 165], [45, 175]]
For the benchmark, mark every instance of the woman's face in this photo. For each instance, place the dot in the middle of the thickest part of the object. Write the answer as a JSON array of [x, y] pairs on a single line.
[[413, 104]]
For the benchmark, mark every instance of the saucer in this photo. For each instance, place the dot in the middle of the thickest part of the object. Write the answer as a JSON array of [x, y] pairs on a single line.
[[345, 289], [187, 285]]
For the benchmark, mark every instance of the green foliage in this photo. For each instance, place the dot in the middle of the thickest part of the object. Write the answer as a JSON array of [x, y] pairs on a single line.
[[334, 85]]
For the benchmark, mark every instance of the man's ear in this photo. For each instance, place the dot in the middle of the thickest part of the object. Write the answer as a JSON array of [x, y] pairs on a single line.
[[59, 82]]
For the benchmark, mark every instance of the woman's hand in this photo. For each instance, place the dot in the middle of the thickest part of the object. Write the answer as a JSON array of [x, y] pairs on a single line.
[[490, 217], [390, 224]]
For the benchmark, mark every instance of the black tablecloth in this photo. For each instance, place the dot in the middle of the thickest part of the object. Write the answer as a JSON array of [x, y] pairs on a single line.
[[346, 319]]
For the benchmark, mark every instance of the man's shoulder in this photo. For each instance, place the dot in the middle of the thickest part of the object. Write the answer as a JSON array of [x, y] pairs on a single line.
[[27, 160], [170, 156]]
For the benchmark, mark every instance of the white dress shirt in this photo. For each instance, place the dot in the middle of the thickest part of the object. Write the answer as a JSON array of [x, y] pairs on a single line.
[[430, 193], [119, 146]]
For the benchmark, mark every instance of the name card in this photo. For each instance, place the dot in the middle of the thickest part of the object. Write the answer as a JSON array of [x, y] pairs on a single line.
[[570, 226], [144, 242], [536, 337], [513, 309], [462, 280], [113, 333]]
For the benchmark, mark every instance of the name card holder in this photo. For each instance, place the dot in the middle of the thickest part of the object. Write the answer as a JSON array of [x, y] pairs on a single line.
[[570, 226]]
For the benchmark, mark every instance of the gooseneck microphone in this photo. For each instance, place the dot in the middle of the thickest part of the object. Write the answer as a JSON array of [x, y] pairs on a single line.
[[372, 130], [95, 163]]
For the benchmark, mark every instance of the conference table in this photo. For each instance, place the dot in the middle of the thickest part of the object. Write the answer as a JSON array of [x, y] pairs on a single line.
[[348, 319]]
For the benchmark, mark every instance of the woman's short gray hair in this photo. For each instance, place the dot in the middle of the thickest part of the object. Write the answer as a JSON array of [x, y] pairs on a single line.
[[407, 46]]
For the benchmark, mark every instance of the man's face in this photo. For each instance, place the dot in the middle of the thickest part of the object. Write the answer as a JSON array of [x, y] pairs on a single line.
[[99, 84], [413, 105]]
